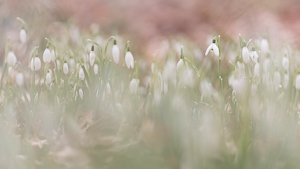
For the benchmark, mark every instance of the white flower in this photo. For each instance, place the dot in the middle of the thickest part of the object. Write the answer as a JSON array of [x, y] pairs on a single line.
[[213, 47], [66, 68], [58, 64], [254, 56], [180, 64], [285, 63], [23, 36], [133, 86], [81, 74], [264, 46], [48, 78], [297, 83], [96, 69], [245, 54], [129, 60], [20, 79], [47, 56], [52, 56], [115, 53], [80, 91], [11, 58], [92, 57], [35, 63], [256, 69]]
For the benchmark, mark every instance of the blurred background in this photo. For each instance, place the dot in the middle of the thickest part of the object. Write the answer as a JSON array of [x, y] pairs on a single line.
[[148, 23]]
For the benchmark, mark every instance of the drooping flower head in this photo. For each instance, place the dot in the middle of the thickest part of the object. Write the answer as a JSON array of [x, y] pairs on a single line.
[[213, 47]]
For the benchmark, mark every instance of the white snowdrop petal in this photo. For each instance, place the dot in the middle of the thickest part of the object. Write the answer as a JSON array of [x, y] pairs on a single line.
[[129, 61], [115, 53], [133, 86], [11, 58], [215, 49], [245, 54], [92, 58], [20, 79], [47, 56], [80, 91], [48, 78], [65, 68], [208, 49], [180, 65], [23, 36], [81, 74], [96, 68]]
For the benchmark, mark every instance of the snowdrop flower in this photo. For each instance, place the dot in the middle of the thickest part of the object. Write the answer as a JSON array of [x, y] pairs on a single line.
[[58, 64], [65, 68], [133, 86], [20, 79], [23, 36], [180, 64], [264, 46], [245, 54], [253, 55], [80, 91], [169, 70], [35, 63], [297, 83], [213, 47], [11, 58], [285, 63], [47, 56], [48, 78], [81, 74], [92, 56], [256, 69], [96, 69], [129, 60], [115, 52], [52, 56]]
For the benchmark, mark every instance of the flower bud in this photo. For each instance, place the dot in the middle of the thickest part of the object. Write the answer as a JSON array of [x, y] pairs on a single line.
[[96, 69], [35, 63], [264, 46], [80, 91], [245, 54], [20, 79], [47, 56], [81, 74], [11, 58], [129, 60], [66, 68], [115, 53], [48, 78], [23, 36], [92, 56], [133, 86]]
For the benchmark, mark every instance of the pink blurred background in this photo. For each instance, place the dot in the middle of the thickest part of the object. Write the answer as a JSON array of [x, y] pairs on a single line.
[[150, 22]]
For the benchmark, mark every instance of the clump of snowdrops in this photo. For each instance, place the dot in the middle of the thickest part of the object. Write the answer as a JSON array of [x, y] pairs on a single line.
[[95, 104]]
